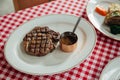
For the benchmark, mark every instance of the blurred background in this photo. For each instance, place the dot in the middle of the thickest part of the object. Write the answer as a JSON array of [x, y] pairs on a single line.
[[6, 7], [9, 6]]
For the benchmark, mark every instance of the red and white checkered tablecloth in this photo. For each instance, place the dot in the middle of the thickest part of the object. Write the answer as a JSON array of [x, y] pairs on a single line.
[[105, 49]]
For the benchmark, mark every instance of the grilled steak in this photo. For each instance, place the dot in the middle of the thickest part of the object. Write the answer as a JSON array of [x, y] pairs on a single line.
[[40, 41]]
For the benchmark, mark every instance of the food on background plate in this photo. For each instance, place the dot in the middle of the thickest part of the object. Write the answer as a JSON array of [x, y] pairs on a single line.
[[100, 10], [114, 7], [112, 18], [40, 41]]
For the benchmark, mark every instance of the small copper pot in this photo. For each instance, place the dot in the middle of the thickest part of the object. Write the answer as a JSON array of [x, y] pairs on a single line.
[[68, 41]]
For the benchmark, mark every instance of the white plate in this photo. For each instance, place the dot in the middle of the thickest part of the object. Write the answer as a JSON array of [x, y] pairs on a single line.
[[54, 62], [111, 70], [97, 20]]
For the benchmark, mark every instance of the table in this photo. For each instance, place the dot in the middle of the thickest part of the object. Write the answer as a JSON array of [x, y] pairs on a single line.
[[105, 49]]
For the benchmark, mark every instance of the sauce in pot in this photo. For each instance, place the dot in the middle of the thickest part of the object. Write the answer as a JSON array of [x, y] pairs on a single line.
[[68, 41]]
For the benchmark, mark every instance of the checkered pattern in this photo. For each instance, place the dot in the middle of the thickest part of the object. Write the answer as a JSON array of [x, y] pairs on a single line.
[[105, 49]]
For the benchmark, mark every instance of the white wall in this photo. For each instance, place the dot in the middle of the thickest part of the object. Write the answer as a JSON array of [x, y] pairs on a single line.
[[6, 6]]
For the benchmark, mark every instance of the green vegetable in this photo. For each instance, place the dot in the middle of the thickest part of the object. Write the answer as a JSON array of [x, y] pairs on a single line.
[[115, 29]]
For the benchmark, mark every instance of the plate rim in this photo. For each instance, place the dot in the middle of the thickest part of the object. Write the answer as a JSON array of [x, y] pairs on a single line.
[[95, 35]]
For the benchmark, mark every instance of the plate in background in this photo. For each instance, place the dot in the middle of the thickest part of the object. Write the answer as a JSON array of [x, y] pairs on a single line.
[[111, 70], [97, 20]]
